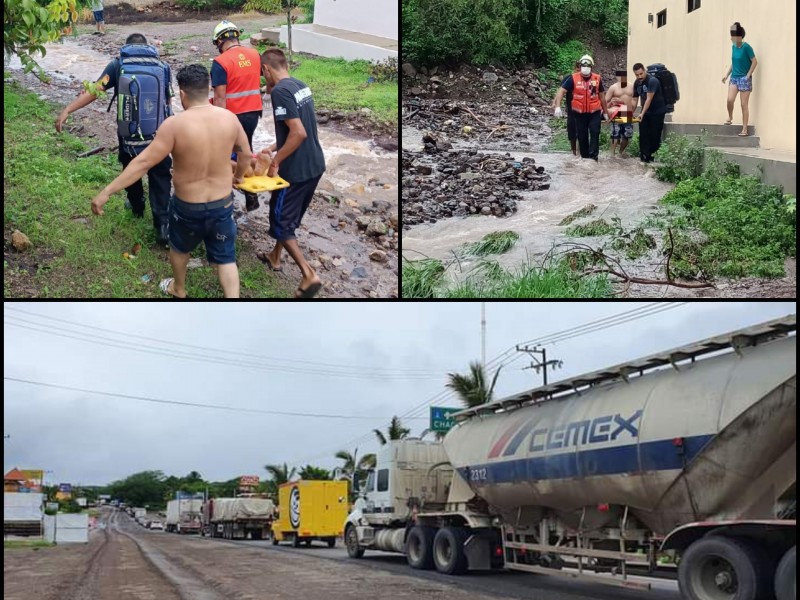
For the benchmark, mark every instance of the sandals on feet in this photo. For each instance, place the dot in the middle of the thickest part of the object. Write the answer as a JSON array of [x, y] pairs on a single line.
[[164, 287], [310, 291], [264, 257], [728, 122]]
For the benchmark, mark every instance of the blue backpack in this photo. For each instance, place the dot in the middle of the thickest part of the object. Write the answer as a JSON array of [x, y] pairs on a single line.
[[143, 102]]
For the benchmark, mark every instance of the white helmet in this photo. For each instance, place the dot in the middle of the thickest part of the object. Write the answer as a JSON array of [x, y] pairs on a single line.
[[586, 58], [225, 29]]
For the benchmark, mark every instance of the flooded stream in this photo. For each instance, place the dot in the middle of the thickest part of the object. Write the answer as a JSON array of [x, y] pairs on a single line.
[[360, 178], [621, 188]]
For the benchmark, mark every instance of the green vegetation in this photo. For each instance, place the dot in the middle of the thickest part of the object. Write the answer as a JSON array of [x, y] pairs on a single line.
[[725, 224], [28, 25], [583, 212], [592, 228], [506, 31], [75, 254], [634, 243], [490, 280], [421, 277], [496, 242], [15, 544]]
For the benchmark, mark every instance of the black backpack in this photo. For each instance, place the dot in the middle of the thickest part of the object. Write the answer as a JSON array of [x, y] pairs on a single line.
[[669, 84]]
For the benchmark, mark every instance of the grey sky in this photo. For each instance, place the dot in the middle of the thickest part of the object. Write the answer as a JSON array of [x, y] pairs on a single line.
[[90, 439]]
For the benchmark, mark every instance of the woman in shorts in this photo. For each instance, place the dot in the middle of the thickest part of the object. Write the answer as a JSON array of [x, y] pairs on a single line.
[[743, 63]]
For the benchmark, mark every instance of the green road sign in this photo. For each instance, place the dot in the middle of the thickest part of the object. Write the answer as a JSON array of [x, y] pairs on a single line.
[[441, 419]]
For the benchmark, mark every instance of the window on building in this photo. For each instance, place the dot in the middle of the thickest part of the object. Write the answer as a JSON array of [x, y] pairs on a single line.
[[662, 18], [383, 480], [694, 5]]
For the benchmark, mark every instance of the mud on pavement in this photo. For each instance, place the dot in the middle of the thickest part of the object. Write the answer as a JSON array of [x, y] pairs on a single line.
[[123, 561], [350, 233]]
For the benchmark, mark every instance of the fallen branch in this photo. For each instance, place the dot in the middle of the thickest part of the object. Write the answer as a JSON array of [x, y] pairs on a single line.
[[320, 235], [626, 277], [96, 150], [495, 130], [411, 114], [478, 119]]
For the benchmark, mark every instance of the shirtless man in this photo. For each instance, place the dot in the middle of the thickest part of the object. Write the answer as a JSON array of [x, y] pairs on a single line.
[[200, 140], [620, 105]]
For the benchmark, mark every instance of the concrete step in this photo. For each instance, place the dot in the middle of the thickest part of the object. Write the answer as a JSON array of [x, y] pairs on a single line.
[[712, 128], [733, 141], [267, 36]]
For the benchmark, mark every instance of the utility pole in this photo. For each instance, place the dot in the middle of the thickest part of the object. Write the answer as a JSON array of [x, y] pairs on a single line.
[[537, 364], [483, 335]]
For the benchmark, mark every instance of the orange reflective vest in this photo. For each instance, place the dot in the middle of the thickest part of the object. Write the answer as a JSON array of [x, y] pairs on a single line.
[[586, 95], [243, 68]]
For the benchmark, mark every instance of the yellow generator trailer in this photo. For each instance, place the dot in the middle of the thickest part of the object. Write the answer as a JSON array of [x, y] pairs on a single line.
[[310, 510]]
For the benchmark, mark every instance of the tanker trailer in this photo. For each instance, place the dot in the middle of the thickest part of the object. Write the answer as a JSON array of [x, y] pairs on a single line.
[[689, 452]]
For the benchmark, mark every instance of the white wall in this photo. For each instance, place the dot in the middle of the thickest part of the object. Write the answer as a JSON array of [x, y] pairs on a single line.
[[22, 507], [375, 17]]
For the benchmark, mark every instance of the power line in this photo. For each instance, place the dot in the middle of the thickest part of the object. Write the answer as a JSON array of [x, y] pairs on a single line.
[[53, 330], [291, 361], [193, 404], [590, 327]]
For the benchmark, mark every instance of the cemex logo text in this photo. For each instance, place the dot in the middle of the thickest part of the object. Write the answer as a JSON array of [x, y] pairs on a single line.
[[589, 431]]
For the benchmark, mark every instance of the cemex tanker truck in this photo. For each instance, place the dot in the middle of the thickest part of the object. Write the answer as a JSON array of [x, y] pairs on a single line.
[[689, 453]]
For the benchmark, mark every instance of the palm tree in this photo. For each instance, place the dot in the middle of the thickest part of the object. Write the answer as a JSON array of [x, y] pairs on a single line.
[[280, 474], [309, 472], [471, 388], [396, 431]]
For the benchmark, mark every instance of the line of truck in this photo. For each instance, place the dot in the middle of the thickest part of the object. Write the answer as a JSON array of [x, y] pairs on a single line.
[[689, 454]]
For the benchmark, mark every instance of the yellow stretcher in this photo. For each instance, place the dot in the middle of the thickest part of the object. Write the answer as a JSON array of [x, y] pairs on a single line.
[[262, 183], [623, 120]]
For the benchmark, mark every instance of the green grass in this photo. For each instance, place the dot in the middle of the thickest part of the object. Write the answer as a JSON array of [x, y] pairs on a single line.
[[496, 242], [13, 544], [47, 196], [425, 279], [342, 85], [421, 277], [583, 212], [592, 228]]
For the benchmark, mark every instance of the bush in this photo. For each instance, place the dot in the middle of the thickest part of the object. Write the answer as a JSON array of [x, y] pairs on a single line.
[[266, 6], [194, 4], [385, 70], [308, 10], [562, 62], [681, 158]]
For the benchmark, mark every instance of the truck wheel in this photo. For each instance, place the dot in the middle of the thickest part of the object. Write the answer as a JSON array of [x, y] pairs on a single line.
[[256, 534], [785, 587], [296, 541], [722, 568], [419, 547], [351, 541], [331, 542], [274, 540], [448, 550]]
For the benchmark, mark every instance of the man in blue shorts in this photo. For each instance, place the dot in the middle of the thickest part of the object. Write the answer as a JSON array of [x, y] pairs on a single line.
[[200, 140], [97, 12], [299, 160]]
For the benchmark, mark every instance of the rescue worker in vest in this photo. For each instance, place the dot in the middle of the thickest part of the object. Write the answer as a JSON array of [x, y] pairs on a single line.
[[236, 79], [588, 104]]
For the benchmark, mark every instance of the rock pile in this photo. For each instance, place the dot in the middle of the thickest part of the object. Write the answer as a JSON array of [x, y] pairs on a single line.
[[449, 182]]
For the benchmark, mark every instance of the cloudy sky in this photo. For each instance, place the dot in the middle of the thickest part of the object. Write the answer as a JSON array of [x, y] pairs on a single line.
[[362, 361]]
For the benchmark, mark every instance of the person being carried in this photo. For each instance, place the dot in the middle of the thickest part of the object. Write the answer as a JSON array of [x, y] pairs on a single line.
[[136, 74], [588, 103], [200, 139], [572, 133], [299, 159], [619, 98]]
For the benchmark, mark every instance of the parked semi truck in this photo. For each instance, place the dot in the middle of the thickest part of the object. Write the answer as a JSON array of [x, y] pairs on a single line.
[[689, 453], [238, 518], [184, 515], [310, 510]]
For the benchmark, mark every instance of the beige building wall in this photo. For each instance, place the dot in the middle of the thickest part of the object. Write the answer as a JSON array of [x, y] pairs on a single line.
[[696, 46]]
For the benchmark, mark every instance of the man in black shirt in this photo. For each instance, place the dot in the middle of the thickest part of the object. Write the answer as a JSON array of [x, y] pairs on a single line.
[[299, 160], [654, 109]]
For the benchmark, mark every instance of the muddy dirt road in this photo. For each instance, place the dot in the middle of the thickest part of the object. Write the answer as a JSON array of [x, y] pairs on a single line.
[[124, 561], [360, 185]]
